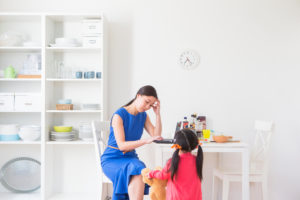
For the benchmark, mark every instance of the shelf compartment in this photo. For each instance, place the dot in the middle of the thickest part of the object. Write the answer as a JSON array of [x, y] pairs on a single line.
[[64, 176]]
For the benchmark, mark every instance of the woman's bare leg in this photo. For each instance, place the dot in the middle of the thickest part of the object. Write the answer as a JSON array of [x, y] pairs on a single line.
[[136, 188]]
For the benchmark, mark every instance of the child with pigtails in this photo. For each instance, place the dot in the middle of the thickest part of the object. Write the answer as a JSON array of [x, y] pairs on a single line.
[[184, 170]]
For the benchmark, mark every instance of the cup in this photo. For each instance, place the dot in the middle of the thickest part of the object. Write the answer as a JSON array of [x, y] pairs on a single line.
[[85, 75], [78, 74], [98, 75], [91, 74]]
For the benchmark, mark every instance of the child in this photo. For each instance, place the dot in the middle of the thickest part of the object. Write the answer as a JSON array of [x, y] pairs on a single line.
[[184, 170]]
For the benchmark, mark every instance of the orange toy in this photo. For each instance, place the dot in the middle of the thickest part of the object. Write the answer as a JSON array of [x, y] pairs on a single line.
[[158, 186]]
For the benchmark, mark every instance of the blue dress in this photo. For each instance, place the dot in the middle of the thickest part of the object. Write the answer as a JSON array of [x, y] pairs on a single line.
[[116, 165]]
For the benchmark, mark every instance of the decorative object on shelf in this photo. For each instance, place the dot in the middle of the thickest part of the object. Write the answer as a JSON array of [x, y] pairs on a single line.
[[189, 59], [10, 72], [21, 175], [64, 106]]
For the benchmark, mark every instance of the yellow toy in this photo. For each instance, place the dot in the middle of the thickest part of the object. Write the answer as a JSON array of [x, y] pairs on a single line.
[[158, 186]]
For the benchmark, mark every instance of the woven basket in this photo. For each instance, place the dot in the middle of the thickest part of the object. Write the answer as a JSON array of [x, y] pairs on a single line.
[[64, 106]]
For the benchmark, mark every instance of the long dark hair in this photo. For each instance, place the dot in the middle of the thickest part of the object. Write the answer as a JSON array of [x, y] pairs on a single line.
[[188, 141], [146, 90]]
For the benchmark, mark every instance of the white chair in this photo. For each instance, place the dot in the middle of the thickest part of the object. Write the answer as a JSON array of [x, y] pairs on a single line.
[[100, 135], [258, 163]]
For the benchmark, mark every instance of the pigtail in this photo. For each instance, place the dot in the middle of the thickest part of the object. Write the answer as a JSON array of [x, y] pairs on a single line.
[[174, 163], [199, 162]]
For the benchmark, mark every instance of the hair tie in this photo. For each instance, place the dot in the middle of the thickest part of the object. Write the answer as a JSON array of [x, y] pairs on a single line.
[[176, 146]]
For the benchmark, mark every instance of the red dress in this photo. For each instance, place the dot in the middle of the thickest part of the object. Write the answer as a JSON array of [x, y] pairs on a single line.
[[187, 185]]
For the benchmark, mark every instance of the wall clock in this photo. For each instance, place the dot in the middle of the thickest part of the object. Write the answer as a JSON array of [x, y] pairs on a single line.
[[189, 59]]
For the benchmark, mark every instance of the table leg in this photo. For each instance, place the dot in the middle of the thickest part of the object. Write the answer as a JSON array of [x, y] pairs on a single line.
[[158, 156], [245, 174]]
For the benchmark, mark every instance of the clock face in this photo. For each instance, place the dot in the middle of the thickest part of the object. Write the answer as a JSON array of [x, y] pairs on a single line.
[[189, 59]]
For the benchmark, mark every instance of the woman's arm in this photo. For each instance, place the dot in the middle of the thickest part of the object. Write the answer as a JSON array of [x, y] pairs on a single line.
[[125, 146], [154, 130]]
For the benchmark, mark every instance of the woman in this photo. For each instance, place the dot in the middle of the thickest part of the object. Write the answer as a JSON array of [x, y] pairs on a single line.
[[119, 161]]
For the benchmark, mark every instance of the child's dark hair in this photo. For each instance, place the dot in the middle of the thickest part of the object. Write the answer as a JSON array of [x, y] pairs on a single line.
[[188, 141]]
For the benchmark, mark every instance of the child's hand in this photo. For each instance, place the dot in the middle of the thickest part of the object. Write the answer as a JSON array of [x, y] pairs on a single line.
[[148, 175]]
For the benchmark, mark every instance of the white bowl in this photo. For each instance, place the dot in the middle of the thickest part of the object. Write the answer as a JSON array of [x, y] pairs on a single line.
[[29, 136]]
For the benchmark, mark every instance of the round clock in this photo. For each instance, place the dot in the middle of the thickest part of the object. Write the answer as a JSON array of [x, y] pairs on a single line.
[[189, 59]]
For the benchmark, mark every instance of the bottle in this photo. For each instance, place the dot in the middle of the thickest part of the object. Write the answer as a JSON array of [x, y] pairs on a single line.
[[185, 123], [193, 121]]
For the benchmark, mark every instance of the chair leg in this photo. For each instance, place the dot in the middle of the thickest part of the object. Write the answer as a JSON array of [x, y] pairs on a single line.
[[265, 189], [225, 192], [213, 195]]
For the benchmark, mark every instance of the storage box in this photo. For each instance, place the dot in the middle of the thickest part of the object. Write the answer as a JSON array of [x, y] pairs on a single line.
[[92, 26], [64, 106], [7, 101], [28, 102], [91, 41]]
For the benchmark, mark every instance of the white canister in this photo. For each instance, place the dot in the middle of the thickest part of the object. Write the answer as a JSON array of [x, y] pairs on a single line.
[[92, 26], [9, 129], [7, 101], [91, 41]]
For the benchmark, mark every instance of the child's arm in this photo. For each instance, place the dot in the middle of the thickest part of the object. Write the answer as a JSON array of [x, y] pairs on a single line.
[[163, 174]]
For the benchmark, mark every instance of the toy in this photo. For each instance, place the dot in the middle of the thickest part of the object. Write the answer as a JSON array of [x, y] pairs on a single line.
[[158, 186]]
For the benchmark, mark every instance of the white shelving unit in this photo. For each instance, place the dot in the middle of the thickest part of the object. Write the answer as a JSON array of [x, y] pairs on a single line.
[[68, 168]]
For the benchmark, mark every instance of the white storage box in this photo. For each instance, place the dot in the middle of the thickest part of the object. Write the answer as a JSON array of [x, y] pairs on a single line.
[[6, 101], [28, 102], [91, 41], [92, 26]]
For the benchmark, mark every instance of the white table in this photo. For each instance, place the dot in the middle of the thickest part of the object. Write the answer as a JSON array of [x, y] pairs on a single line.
[[233, 147]]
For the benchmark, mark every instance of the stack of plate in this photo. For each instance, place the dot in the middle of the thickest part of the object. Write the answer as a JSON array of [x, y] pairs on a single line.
[[91, 106], [63, 136]]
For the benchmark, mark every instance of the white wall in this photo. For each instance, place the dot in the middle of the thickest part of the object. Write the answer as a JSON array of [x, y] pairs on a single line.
[[249, 67]]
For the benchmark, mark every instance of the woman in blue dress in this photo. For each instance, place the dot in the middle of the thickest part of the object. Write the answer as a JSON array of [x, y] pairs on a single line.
[[119, 162]]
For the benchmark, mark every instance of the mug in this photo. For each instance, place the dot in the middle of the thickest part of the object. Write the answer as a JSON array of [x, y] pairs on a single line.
[[90, 74], [98, 75], [79, 74]]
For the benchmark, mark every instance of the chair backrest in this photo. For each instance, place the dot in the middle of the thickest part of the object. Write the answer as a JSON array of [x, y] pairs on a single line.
[[100, 136], [262, 141]]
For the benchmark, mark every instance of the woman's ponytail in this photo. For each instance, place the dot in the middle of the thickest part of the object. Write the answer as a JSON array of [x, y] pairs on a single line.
[[199, 162], [174, 163]]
